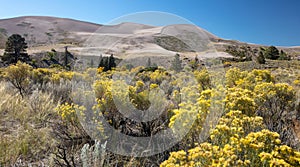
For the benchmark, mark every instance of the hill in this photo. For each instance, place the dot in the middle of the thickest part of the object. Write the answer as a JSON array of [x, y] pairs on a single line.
[[125, 40]]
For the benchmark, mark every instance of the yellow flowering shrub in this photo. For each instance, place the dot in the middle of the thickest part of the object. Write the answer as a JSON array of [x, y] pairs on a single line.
[[158, 76], [237, 140], [64, 75], [193, 111], [42, 75], [281, 156], [68, 112], [100, 70], [102, 88], [19, 76], [203, 78], [105, 102], [240, 99], [276, 103], [274, 100], [247, 80], [233, 76], [234, 124], [258, 76], [282, 93], [136, 95]]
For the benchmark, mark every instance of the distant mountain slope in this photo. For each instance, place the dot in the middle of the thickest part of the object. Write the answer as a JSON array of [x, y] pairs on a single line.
[[123, 28], [124, 40], [41, 30]]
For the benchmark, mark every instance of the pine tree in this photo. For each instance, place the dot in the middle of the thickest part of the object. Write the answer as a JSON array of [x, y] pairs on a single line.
[[15, 50], [271, 53], [111, 62], [106, 64], [283, 56], [66, 57], [101, 63]]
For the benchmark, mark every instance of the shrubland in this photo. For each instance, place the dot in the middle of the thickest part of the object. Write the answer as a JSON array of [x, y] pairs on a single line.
[[251, 113]]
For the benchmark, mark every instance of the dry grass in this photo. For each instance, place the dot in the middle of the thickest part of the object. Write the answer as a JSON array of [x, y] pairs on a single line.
[[24, 133]]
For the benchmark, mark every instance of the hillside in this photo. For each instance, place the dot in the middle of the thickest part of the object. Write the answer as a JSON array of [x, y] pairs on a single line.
[[41, 32], [125, 40]]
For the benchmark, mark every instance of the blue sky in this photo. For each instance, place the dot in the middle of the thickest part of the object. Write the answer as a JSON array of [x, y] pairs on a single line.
[[269, 22]]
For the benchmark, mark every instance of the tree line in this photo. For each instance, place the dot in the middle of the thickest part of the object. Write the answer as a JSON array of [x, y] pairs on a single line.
[[247, 53], [16, 50]]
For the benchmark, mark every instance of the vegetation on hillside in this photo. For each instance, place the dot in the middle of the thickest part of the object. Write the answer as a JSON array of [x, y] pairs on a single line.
[[247, 53], [172, 43], [15, 50]]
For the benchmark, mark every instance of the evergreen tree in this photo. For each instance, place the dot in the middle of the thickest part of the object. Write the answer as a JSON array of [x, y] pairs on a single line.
[[106, 64], [101, 63], [283, 56], [15, 50], [111, 62], [68, 59], [271, 53]]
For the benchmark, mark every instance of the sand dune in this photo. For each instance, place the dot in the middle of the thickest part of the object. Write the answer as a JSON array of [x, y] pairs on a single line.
[[124, 40]]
